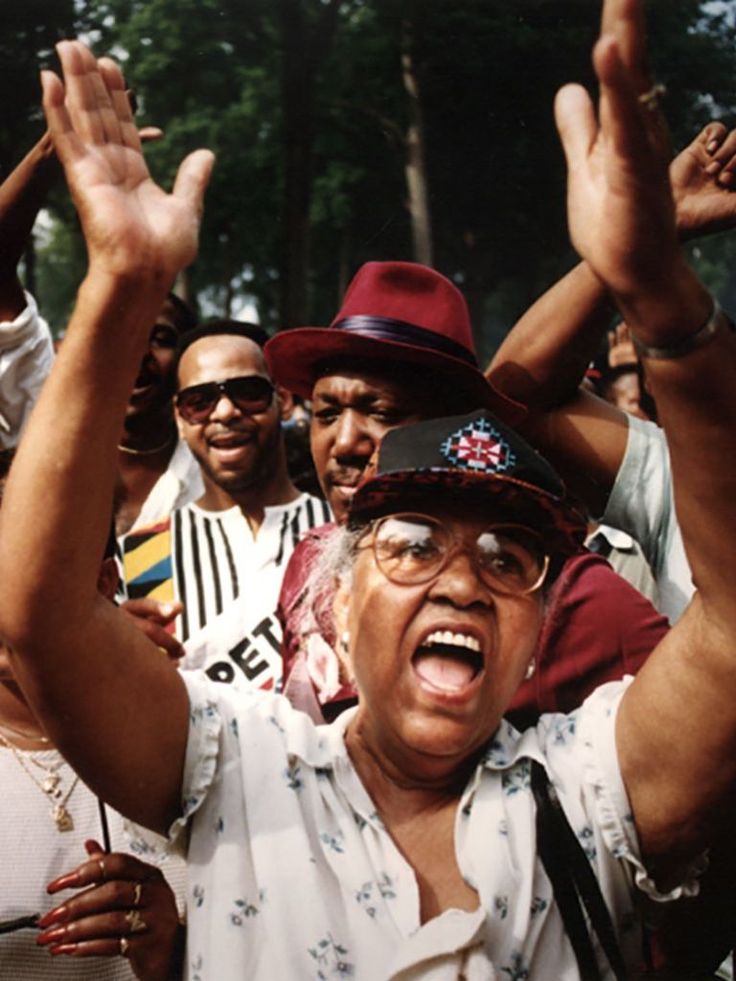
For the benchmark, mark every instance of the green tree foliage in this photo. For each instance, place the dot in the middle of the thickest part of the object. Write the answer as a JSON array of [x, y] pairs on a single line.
[[304, 103], [28, 32]]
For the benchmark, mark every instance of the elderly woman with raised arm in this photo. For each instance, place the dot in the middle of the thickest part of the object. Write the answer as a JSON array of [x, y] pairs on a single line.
[[410, 839]]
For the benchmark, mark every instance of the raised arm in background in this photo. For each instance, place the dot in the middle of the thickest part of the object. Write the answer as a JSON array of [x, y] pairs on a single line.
[[22, 195], [676, 729], [85, 668], [542, 360], [26, 351]]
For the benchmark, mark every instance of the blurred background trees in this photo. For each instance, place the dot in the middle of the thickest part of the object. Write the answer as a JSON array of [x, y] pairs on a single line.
[[348, 130]]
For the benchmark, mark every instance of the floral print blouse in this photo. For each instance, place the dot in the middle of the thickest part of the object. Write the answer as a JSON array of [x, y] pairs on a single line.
[[292, 875]]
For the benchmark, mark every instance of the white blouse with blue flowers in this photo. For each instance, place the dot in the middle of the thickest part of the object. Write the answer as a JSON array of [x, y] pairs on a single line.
[[293, 876]]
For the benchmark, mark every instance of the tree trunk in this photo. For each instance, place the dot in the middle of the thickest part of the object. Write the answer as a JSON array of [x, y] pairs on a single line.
[[414, 164], [303, 49]]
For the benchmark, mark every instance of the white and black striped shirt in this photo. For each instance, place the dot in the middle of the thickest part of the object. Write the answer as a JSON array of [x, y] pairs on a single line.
[[216, 563]]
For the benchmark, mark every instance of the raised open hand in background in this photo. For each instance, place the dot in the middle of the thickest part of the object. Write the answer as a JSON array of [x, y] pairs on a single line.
[[620, 209], [130, 224], [703, 179]]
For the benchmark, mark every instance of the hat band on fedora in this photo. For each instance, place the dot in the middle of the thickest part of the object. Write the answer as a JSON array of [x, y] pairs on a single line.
[[401, 332]]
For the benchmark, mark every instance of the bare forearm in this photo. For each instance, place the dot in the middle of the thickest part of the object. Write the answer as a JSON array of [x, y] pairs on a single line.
[[543, 358], [689, 681], [82, 403], [22, 195], [78, 657], [54, 520], [696, 400]]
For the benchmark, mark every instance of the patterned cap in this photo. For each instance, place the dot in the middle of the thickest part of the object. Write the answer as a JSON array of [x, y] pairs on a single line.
[[475, 459]]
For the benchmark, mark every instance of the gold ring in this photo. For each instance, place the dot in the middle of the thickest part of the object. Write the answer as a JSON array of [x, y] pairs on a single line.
[[101, 863], [124, 946], [651, 99], [137, 889], [135, 921]]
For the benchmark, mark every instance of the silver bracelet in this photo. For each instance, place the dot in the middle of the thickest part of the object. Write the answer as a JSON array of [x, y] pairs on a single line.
[[679, 349]]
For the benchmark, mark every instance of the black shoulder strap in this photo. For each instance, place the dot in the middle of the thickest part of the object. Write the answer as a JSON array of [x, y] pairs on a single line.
[[573, 881]]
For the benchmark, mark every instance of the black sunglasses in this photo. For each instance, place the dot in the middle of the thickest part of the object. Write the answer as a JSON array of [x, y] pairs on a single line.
[[248, 393]]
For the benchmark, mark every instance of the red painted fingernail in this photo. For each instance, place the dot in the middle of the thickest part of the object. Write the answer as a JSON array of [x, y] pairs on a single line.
[[57, 915], [51, 936], [63, 949], [712, 146], [63, 882]]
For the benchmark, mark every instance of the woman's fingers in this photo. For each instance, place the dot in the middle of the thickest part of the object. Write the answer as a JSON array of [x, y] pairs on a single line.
[[101, 947], [104, 868], [111, 923], [87, 98], [576, 124], [119, 96], [121, 894]]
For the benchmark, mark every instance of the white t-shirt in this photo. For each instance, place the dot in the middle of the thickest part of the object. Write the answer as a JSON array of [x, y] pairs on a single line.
[[26, 356], [642, 504], [293, 875], [179, 484]]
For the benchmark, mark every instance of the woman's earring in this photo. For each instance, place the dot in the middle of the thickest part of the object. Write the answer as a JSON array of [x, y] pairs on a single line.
[[345, 640], [530, 669]]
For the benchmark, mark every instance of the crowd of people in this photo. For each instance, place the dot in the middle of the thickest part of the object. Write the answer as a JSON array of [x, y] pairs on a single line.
[[437, 706]]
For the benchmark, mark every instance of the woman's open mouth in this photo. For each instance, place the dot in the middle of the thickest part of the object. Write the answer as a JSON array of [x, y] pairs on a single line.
[[448, 661]]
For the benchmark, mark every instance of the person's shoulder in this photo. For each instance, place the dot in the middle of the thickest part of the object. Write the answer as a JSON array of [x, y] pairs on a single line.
[[242, 713]]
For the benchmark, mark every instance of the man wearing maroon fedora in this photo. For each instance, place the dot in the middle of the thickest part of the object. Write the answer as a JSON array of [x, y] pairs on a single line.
[[401, 350], [394, 314]]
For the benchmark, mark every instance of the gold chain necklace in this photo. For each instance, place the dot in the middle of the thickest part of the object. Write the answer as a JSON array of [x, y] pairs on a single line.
[[49, 786], [147, 452]]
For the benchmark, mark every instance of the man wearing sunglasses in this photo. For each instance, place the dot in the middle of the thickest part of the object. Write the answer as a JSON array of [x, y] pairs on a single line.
[[223, 556]]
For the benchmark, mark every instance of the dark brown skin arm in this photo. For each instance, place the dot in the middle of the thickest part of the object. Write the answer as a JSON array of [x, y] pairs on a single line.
[[22, 195], [77, 657], [677, 719], [542, 360]]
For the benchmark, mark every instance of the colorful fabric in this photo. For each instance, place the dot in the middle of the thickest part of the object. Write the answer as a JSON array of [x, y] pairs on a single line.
[[147, 566]]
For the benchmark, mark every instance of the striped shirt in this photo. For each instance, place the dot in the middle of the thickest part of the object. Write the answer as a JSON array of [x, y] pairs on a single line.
[[222, 573]]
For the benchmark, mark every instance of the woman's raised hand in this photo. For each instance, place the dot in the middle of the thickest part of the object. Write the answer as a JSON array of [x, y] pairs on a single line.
[[131, 225]]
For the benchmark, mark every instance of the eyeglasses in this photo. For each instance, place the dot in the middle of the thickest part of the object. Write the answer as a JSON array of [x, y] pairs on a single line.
[[248, 393], [410, 549]]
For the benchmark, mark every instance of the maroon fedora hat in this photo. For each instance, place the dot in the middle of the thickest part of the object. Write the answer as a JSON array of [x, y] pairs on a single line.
[[400, 311]]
